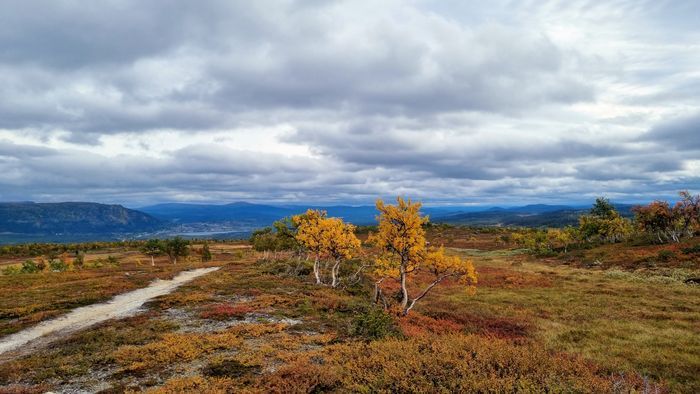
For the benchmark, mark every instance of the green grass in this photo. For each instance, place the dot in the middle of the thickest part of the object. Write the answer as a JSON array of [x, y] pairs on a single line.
[[623, 320]]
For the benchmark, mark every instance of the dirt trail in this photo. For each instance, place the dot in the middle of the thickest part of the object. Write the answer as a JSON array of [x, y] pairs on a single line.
[[120, 306]]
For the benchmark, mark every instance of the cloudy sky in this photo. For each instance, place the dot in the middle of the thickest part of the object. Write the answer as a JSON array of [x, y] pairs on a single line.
[[492, 102]]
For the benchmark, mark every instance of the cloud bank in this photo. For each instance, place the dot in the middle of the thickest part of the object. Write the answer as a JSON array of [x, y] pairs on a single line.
[[345, 101]]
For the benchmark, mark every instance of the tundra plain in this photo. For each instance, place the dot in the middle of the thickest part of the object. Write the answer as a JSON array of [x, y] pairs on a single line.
[[612, 318]]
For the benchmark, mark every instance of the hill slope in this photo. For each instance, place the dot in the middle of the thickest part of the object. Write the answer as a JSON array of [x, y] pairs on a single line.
[[527, 216], [263, 215], [72, 218]]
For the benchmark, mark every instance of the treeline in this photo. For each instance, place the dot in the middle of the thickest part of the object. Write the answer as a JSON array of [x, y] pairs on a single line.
[[39, 249], [657, 222], [69, 257], [42, 249]]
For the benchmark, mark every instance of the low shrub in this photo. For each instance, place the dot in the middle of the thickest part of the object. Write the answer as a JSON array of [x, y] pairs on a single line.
[[11, 270], [229, 368], [695, 249], [666, 255], [57, 265], [447, 363], [286, 267], [226, 311], [373, 323], [79, 260], [173, 348], [29, 267]]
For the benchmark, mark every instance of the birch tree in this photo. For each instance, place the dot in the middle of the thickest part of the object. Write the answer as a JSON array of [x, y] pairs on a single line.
[[405, 253]]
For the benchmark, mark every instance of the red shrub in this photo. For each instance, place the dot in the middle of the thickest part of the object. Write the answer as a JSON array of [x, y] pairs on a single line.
[[416, 324], [226, 311]]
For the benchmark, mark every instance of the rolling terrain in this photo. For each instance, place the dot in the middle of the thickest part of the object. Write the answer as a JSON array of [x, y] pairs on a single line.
[[257, 325]]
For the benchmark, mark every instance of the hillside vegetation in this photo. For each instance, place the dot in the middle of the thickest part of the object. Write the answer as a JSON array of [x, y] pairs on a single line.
[[72, 217]]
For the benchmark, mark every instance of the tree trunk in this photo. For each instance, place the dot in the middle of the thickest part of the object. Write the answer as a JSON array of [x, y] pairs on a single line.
[[377, 290], [334, 274], [404, 290], [317, 272]]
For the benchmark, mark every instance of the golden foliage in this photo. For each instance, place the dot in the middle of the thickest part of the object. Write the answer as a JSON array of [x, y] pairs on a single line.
[[309, 231], [326, 238], [400, 234], [445, 363], [199, 384], [405, 252], [440, 264], [173, 347]]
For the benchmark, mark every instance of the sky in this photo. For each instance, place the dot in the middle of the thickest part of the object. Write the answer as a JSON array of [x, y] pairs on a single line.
[[448, 102]]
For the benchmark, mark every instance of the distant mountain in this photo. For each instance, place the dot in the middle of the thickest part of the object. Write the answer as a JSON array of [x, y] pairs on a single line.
[[71, 221], [241, 212], [249, 215], [72, 218], [260, 215], [538, 215], [536, 208]]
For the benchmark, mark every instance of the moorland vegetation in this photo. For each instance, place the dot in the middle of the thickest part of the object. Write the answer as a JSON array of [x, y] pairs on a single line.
[[405, 306]]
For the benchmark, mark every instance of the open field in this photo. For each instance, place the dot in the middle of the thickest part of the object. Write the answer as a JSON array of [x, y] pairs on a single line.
[[258, 326]]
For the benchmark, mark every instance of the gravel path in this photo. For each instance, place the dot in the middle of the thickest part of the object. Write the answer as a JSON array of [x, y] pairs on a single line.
[[123, 305]]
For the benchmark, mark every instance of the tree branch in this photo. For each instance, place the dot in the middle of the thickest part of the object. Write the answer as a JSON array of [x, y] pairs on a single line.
[[425, 292]]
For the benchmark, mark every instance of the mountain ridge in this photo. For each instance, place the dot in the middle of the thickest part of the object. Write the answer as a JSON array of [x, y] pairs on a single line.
[[72, 217], [56, 221]]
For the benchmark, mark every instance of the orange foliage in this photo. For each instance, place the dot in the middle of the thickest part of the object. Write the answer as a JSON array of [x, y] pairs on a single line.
[[171, 348], [198, 384], [326, 238], [448, 363], [417, 324]]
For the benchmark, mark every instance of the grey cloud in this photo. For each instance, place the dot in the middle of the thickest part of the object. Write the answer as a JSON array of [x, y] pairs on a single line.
[[234, 58], [681, 133], [196, 169], [476, 157]]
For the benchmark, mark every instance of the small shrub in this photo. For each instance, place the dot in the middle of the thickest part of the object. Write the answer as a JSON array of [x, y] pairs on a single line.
[[171, 348], [29, 267], [79, 260], [692, 250], [373, 323], [226, 311], [111, 260], [574, 336], [229, 368], [206, 253], [58, 265], [666, 255], [11, 270]]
